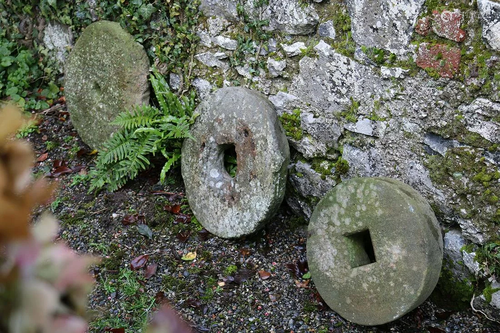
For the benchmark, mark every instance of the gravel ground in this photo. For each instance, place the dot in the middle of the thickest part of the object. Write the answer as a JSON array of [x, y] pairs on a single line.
[[253, 284]]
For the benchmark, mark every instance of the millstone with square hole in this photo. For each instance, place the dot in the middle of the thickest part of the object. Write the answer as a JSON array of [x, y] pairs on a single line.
[[374, 249], [106, 73], [235, 168]]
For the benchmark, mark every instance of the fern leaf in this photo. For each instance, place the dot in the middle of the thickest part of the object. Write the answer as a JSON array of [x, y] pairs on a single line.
[[168, 165], [141, 116]]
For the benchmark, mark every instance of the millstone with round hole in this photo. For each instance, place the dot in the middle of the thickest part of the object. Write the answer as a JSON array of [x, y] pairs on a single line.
[[240, 122], [105, 74], [374, 249]]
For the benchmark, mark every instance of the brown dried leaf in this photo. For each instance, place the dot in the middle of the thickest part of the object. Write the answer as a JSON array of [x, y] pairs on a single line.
[[150, 270], [42, 157], [174, 209], [139, 262], [264, 275]]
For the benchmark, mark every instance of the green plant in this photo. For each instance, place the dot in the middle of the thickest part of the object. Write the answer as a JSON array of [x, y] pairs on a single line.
[[488, 257], [28, 128], [50, 145], [146, 131]]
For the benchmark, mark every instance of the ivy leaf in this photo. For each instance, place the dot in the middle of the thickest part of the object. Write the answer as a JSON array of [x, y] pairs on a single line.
[[145, 230], [52, 3]]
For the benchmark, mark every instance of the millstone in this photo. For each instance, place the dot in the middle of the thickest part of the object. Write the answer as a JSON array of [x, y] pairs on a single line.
[[374, 249], [106, 73], [243, 121]]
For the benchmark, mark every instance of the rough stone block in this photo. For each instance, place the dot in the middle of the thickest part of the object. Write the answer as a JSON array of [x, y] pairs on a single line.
[[242, 121], [490, 16], [384, 24], [447, 24], [374, 249], [106, 73], [443, 58]]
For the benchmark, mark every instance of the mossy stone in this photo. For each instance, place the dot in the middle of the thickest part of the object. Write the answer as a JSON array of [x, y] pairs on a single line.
[[106, 73], [374, 249], [240, 121]]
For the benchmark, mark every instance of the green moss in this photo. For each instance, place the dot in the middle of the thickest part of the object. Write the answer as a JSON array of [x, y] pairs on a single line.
[[231, 269], [379, 56], [351, 114], [452, 293], [170, 282], [323, 166], [344, 43], [114, 260], [291, 124], [449, 172], [488, 292], [341, 166]]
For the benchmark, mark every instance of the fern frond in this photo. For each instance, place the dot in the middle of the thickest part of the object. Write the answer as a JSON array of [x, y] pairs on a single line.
[[141, 116], [116, 147], [168, 165]]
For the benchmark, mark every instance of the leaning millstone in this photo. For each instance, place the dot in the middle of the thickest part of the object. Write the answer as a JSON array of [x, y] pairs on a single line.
[[384, 24], [243, 120], [374, 249], [106, 73]]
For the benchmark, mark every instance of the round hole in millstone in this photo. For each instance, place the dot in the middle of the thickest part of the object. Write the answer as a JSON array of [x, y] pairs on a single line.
[[374, 249], [97, 88], [235, 119], [230, 159]]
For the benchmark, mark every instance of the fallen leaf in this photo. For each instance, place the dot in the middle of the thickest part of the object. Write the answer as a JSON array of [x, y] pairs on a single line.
[[184, 236], [182, 218], [139, 262], [42, 157], [93, 152], [58, 163], [132, 219], [62, 170], [245, 251], [174, 209], [306, 276], [302, 284], [264, 275], [194, 303], [160, 297], [203, 234], [189, 256], [150, 270], [145, 230], [81, 152]]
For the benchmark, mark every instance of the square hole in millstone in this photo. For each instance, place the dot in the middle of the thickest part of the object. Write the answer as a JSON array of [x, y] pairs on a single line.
[[360, 248], [230, 159]]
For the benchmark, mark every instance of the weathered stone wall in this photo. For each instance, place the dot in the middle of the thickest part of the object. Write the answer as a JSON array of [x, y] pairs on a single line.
[[401, 89]]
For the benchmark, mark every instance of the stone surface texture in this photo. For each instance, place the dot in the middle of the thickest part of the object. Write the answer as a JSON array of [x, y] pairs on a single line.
[[106, 73], [232, 207], [385, 24], [288, 16], [59, 38], [402, 271], [447, 24], [490, 14], [441, 58]]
